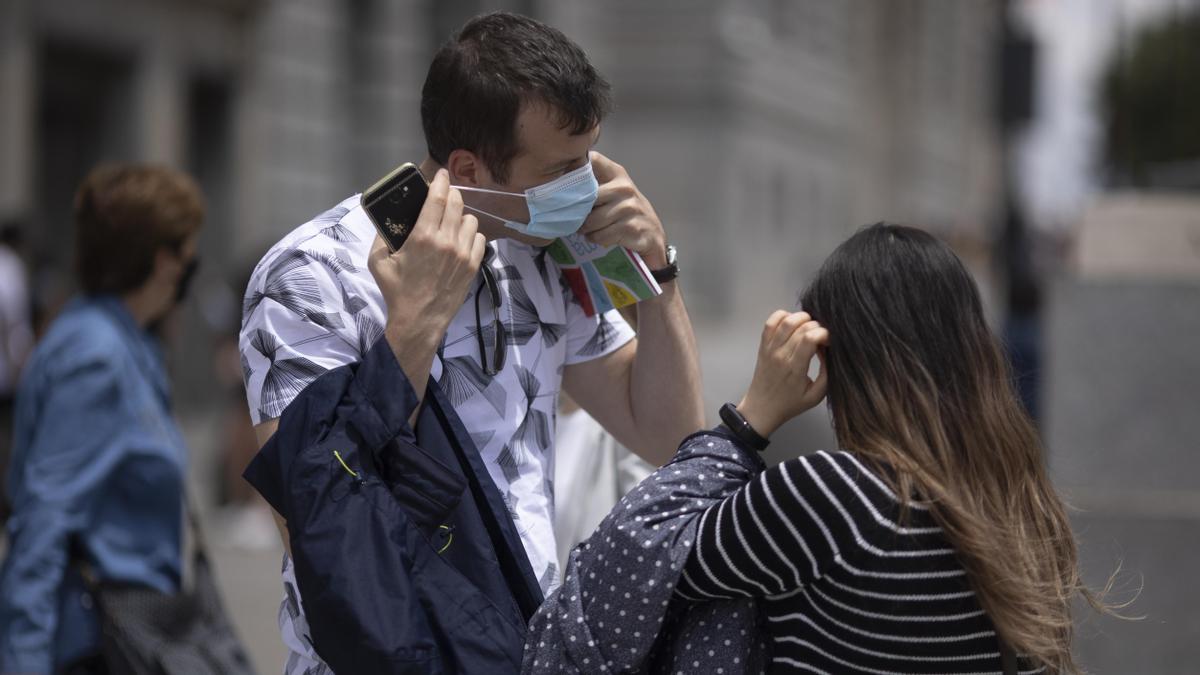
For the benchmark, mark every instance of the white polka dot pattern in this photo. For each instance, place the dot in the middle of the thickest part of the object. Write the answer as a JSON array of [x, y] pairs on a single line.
[[616, 610]]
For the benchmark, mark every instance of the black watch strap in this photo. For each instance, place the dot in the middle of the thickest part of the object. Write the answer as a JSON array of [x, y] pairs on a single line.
[[737, 423], [665, 274]]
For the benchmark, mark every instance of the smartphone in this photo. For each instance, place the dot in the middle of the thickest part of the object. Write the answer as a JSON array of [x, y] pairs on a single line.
[[394, 202]]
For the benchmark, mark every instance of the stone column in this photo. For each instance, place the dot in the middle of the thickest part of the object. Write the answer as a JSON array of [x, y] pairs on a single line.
[[17, 104], [393, 46], [159, 106]]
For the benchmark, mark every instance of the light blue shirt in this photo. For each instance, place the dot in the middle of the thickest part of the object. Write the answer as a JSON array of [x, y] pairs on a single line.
[[98, 461]]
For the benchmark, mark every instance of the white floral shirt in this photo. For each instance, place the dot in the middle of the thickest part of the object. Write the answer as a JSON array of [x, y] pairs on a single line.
[[312, 305]]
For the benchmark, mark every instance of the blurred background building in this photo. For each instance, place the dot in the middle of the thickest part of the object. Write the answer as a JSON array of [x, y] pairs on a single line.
[[765, 132]]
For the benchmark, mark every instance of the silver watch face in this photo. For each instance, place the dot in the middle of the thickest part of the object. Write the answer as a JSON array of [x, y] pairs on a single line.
[[671, 254]]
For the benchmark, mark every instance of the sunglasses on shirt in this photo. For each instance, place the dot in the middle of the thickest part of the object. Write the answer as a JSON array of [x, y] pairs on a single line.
[[499, 345]]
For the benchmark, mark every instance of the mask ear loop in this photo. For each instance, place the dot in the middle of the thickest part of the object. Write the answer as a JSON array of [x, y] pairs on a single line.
[[489, 215], [493, 192]]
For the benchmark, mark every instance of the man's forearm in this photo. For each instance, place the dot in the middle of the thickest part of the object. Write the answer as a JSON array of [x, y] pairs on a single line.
[[414, 348], [665, 389]]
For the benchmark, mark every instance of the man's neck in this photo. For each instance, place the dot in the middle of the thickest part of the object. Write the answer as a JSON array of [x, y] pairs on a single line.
[[428, 167]]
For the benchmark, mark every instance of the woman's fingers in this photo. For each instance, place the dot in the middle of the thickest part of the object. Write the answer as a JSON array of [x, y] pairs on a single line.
[[787, 329], [817, 334], [797, 327], [799, 351], [771, 326], [789, 343]]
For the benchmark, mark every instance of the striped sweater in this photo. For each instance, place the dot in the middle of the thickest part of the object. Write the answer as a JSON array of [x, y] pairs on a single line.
[[845, 588]]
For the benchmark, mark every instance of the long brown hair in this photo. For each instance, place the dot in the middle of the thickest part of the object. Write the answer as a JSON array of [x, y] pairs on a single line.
[[918, 383]]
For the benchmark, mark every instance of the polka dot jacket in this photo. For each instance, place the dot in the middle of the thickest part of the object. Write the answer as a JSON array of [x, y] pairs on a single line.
[[616, 610]]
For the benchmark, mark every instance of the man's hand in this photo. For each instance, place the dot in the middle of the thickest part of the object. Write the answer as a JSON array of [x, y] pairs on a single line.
[[781, 388], [425, 282], [622, 216]]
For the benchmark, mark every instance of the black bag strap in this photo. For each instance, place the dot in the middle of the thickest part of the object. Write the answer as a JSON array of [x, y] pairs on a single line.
[[199, 544]]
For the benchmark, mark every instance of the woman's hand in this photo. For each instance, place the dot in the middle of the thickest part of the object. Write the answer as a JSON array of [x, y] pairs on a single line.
[[781, 388]]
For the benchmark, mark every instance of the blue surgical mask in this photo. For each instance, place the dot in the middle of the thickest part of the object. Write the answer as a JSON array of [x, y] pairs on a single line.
[[557, 208]]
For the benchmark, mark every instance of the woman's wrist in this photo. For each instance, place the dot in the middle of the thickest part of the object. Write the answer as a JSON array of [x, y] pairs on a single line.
[[758, 419]]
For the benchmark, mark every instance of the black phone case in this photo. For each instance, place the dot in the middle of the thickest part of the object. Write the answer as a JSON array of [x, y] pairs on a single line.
[[394, 207]]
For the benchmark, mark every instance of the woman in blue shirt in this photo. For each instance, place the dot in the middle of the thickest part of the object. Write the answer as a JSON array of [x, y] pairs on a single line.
[[98, 463]]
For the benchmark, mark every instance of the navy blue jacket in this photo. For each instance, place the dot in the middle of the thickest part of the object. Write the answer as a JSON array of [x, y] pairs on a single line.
[[406, 557]]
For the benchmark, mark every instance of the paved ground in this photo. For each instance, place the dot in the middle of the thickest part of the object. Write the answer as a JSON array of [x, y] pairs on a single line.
[[248, 575], [250, 581], [1123, 435]]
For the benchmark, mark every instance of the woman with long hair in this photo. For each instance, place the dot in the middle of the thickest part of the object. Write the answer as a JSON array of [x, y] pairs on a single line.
[[932, 542]]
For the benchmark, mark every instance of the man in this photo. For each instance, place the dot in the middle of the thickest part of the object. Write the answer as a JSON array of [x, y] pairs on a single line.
[[509, 104]]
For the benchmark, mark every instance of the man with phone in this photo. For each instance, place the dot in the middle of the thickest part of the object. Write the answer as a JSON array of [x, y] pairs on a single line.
[[511, 110]]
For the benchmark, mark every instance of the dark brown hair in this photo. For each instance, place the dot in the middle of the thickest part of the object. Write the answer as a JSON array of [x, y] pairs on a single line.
[[481, 77], [919, 386], [124, 214]]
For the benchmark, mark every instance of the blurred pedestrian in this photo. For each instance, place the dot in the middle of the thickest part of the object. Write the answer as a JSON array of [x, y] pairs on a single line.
[[97, 473], [16, 332]]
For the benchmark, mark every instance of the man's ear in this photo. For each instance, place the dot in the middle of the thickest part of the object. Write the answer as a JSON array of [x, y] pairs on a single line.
[[466, 168]]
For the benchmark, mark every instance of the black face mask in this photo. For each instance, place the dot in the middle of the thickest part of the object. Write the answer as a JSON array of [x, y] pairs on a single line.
[[182, 287], [185, 279]]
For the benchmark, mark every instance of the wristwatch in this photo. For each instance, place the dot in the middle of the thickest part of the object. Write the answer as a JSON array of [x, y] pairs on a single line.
[[665, 274], [737, 423]]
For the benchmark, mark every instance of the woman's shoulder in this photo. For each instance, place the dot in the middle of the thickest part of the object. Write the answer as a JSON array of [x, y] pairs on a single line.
[[847, 466], [81, 338], [845, 477]]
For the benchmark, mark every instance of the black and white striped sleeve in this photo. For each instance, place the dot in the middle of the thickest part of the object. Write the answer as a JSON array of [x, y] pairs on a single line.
[[778, 533]]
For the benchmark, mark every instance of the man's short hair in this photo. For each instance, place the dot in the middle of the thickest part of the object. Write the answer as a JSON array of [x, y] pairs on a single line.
[[481, 76], [124, 214]]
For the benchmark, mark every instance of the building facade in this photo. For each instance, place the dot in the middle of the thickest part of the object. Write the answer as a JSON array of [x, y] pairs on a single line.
[[761, 129]]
